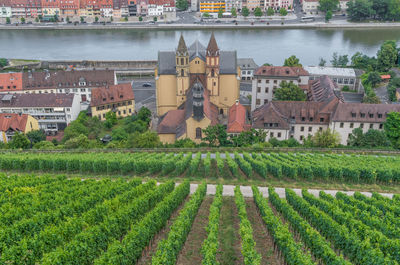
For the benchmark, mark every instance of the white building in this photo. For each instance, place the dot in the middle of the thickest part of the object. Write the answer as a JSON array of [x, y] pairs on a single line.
[[268, 78], [341, 76], [53, 111], [106, 12], [247, 68], [311, 6], [155, 10], [5, 11]]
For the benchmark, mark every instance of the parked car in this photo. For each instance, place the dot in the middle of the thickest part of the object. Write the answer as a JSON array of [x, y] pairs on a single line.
[[146, 85]]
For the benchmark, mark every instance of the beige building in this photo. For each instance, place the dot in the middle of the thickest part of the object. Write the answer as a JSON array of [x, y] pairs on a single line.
[[195, 87], [10, 123], [116, 98], [268, 78]]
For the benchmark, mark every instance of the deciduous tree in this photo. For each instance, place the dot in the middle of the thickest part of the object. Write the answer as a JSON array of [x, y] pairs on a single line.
[[245, 11], [289, 91], [258, 12], [270, 11], [292, 61]]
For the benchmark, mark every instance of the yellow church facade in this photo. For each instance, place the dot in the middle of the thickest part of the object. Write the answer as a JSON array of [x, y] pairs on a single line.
[[195, 87]]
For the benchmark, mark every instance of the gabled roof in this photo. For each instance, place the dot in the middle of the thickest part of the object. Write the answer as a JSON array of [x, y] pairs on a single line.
[[111, 94], [237, 119], [322, 89], [170, 121], [345, 112], [14, 122], [281, 71], [49, 100], [246, 63]]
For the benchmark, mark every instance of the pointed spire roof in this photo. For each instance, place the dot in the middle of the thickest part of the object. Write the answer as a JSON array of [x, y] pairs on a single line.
[[182, 49], [212, 48]]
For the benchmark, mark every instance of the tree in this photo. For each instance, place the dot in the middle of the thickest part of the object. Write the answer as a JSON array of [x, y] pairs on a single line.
[[289, 91], [111, 119], [392, 128], [234, 12], [144, 114], [143, 140], [44, 145], [3, 62], [182, 4], [36, 136], [22, 20], [8, 20], [322, 62], [283, 12], [267, 64], [374, 78], [126, 19], [394, 84], [67, 19], [81, 142], [119, 134], [37, 20], [328, 5], [292, 61], [96, 19], [359, 10], [82, 19], [140, 18], [74, 129], [19, 141], [248, 138], [339, 60], [326, 138], [372, 138], [155, 19], [55, 18], [111, 19], [270, 11], [220, 13], [328, 15], [258, 12], [362, 61], [245, 11], [206, 14], [387, 56], [215, 135], [184, 143]]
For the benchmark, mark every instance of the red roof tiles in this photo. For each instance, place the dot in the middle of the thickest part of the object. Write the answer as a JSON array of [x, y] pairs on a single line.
[[11, 81], [111, 94], [12, 121], [281, 71], [237, 119]]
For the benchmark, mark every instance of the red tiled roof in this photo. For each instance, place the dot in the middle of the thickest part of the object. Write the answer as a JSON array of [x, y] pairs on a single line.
[[170, 3], [385, 76], [15, 122], [58, 136], [10, 81], [111, 94], [281, 71], [170, 121], [237, 119]]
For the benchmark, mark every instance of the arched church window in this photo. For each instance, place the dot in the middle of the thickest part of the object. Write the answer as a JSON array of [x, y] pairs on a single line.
[[182, 61], [198, 133]]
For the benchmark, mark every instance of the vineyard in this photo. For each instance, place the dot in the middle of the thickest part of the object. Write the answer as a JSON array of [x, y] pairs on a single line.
[[48, 220], [296, 166]]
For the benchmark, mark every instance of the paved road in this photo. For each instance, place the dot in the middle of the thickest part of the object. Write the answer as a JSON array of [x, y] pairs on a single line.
[[228, 190]]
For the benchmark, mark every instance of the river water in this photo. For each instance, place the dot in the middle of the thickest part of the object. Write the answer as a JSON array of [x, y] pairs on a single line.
[[264, 45]]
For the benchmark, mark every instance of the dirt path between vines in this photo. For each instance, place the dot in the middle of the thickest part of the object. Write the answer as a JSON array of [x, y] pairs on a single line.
[[264, 241], [229, 251], [191, 251], [152, 248]]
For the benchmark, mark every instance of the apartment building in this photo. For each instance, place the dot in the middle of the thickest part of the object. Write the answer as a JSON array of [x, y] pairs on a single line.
[[290, 119], [11, 123], [248, 67], [278, 4], [268, 78], [52, 111], [116, 98], [76, 82], [212, 6], [341, 76], [5, 9], [237, 4]]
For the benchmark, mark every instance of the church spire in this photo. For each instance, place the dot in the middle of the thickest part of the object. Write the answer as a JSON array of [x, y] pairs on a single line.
[[182, 49], [212, 48]]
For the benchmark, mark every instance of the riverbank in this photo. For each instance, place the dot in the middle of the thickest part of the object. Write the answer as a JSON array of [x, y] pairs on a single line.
[[256, 25]]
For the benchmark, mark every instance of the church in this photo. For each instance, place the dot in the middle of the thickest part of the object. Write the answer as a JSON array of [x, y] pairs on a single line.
[[195, 87]]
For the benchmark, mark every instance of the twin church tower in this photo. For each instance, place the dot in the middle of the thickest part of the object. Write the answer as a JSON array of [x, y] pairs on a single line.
[[202, 82]]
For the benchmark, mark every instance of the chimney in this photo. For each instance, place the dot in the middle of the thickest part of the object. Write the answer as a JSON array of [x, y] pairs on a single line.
[[237, 102]]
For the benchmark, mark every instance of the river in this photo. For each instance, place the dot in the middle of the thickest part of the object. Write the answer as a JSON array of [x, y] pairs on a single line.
[[264, 45]]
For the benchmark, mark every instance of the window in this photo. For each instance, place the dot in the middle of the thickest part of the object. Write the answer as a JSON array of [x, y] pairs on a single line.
[[271, 135], [275, 81], [258, 89], [265, 101], [301, 137], [258, 101], [302, 129], [371, 126], [198, 133], [279, 135], [124, 111], [362, 115], [353, 115], [311, 118], [321, 119], [292, 129], [83, 90], [352, 81], [266, 90], [310, 129], [361, 125], [182, 61], [267, 81], [259, 81], [320, 128], [130, 111], [182, 72], [371, 115], [341, 125], [381, 126], [212, 73], [303, 118], [104, 115], [379, 115], [351, 125]]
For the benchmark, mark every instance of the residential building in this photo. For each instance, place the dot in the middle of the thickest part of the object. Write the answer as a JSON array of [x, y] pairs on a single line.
[[310, 6], [50, 9], [34, 8], [155, 8], [237, 119], [253, 4], [248, 67], [278, 4], [142, 7], [11, 123], [132, 9], [237, 4], [69, 8], [53, 111], [77, 82], [212, 6], [116, 98], [195, 87], [5, 9], [19, 8], [268, 78], [298, 120], [245, 89]]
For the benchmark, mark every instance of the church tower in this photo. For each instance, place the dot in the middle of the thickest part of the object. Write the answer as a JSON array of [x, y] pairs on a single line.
[[182, 71], [212, 69]]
